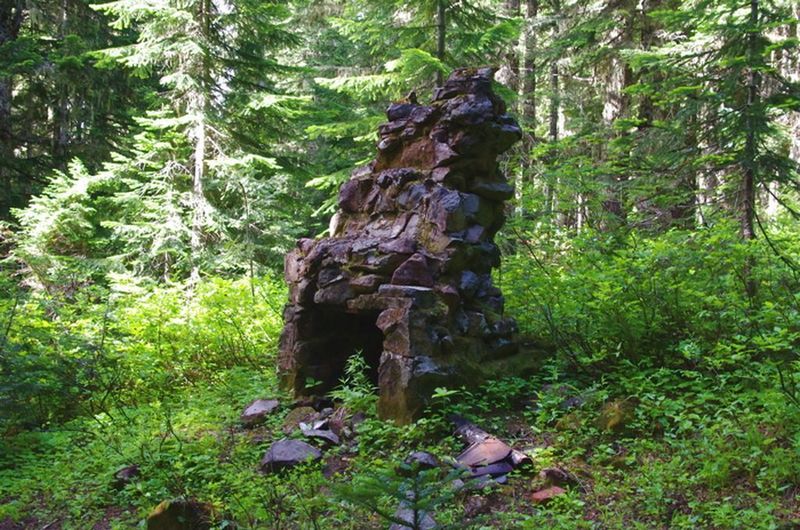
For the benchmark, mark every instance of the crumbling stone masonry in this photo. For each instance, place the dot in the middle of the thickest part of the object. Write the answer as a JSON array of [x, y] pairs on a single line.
[[405, 277]]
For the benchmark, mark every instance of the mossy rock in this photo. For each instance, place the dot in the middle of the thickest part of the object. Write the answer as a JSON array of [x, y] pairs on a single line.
[[180, 514], [616, 415], [300, 414]]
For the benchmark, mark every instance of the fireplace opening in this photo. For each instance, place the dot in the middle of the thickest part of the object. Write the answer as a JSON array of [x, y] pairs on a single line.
[[341, 335]]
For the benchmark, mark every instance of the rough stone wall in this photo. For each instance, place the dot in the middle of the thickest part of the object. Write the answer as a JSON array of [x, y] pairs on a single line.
[[405, 276]]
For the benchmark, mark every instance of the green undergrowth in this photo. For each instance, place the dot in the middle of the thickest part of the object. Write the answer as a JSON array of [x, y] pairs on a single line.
[[688, 451], [669, 397]]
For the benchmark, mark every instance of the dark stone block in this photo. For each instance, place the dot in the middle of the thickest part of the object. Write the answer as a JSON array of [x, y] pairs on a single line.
[[285, 454]]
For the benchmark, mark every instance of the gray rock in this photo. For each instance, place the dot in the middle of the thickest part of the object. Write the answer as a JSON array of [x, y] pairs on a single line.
[[404, 513], [423, 459], [285, 454], [125, 476], [327, 437], [493, 470], [257, 411]]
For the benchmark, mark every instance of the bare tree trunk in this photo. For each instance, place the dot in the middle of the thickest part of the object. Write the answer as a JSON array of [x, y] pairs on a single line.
[[510, 72], [527, 68], [683, 213], [198, 199], [617, 106], [554, 111], [441, 12], [6, 146], [201, 103]]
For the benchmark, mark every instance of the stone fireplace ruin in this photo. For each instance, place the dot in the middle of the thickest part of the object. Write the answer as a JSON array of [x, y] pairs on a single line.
[[405, 276]]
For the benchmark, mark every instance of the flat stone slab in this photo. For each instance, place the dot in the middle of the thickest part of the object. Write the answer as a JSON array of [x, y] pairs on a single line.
[[257, 411], [327, 437], [285, 454], [483, 453], [546, 495]]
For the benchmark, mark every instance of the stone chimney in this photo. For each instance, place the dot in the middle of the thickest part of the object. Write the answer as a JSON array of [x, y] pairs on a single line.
[[405, 276]]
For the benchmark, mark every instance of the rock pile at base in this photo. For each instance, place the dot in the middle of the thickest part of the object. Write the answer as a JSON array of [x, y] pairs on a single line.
[[405, 278]]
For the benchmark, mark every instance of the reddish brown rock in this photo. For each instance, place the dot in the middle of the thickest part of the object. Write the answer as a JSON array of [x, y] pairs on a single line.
[[546, 495], [404, 277]]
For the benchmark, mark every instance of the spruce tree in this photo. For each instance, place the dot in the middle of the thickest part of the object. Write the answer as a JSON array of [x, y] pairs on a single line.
[[730, 97], [207, 161]]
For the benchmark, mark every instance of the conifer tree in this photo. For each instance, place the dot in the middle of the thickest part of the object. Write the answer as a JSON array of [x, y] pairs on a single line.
[[730, 95], [221, 110]]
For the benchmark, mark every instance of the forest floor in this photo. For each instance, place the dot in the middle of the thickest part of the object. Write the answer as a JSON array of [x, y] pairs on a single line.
[[659, 449]]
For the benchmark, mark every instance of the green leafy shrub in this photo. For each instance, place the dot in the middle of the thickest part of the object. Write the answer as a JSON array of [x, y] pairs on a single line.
[[356, 391], [676, 299], [107, 347]]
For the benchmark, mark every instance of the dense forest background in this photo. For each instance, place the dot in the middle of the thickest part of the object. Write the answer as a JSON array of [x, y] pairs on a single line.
[[159, 157]]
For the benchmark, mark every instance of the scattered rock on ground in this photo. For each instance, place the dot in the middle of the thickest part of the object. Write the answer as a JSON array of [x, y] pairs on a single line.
[[297, 416], [475, 505], [485, 452], [546, 495], [616, 414], [180, 514], [494, 470], [257, 411], [357, 419], [125, 476], [423, 459], [556, 476], [404, 513], [337, 421], [284, 454], [327, 437], [335, 464]]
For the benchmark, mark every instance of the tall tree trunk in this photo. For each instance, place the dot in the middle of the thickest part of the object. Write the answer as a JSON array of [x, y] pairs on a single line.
[[527, 90], [555, 109], [683, 213], [198, 199], [512, 74], [509, 73], [749, 169], [11, 16], [441, 28], [618, 106], [60, 126], [527, 69], [201, 104], [6, 146]]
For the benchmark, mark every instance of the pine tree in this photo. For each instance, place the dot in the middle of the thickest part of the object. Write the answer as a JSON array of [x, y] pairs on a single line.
[[221, 111], [731, 95], [57, 101]]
